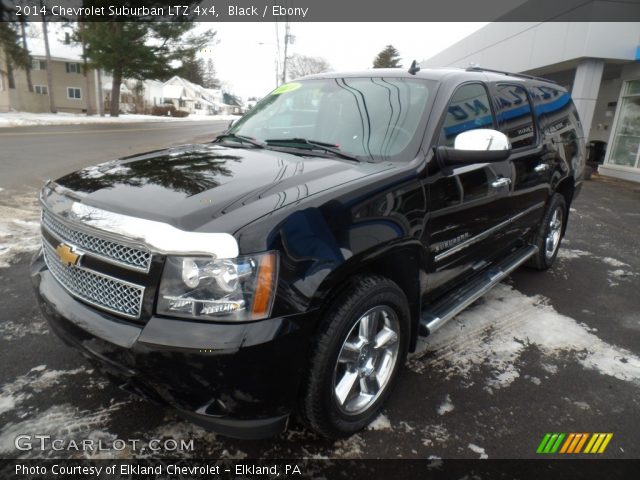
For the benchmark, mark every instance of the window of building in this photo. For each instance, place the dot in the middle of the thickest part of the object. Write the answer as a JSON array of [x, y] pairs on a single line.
[[468, 109], [38, 64], [515, 115], [625, 149], [41, 89], [74, 93], [73, 67]]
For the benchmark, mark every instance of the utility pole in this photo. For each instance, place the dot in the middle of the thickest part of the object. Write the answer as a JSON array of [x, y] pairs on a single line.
[[288, 38]]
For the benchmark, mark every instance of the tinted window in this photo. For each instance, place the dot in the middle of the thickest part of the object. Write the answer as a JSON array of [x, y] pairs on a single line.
[[514, 115], [552, 107], [376, 118], [468, 109]]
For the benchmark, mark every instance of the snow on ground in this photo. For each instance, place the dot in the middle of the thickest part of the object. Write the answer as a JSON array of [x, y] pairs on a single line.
[[35, 380], [380, 423], [24, 119], [65, 422], [10, 330], [19, 225], [614, 262], [446, 406], [497, 330], [478, 450], [570, 254]]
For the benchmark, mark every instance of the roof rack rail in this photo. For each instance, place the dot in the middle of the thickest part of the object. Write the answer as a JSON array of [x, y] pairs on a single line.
[[510, 74]]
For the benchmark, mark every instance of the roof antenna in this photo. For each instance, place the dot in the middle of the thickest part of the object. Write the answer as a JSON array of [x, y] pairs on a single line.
[[414, 68]]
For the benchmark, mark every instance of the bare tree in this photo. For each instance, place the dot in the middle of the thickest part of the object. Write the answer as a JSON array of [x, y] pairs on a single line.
[[210, 77], [303, 65]]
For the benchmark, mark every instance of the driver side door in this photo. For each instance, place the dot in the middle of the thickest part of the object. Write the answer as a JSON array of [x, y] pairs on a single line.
[[468, 205]]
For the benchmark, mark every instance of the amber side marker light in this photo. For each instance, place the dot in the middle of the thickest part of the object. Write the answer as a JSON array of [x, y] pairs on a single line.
[[263, 296]]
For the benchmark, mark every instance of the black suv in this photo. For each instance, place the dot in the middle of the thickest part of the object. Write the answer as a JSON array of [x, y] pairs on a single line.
[[291, 264]]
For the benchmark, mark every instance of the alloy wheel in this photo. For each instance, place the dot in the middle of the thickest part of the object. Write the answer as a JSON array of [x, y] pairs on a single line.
[[366, 360], [552, 241]]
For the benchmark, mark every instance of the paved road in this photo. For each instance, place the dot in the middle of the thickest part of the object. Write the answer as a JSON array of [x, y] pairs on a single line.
[[543, 352], [31, 155]]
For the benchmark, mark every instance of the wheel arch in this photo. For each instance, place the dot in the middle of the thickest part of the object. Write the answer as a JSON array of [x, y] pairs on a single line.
[[566, 187], [402, 263]]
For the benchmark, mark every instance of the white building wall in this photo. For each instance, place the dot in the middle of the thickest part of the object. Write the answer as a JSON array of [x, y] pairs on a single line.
[[523, 46]]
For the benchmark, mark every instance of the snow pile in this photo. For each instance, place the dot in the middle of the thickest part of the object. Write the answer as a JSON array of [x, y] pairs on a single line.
[[380, 423], [496, 332], [24, 119], [19, 225], [446, 406], [478, 450]]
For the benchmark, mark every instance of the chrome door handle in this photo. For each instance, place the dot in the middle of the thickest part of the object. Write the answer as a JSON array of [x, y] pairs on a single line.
[[543, 167], [501, 182]]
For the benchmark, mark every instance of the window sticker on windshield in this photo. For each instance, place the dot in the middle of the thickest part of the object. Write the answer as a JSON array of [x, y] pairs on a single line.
[[287, 87]]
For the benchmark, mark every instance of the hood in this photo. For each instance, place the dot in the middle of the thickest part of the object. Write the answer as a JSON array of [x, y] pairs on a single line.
[[190, 187]]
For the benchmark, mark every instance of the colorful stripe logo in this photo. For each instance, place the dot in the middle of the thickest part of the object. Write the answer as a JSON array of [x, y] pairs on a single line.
[[562, 443]]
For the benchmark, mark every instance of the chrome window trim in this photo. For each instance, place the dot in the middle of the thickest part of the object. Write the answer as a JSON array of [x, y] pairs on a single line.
[[485, 234], [157, 237], [48, 249]]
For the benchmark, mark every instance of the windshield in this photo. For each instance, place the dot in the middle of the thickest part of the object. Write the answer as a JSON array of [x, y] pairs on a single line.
[[369, 118]]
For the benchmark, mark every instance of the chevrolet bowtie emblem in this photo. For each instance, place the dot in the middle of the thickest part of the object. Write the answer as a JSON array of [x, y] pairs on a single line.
[[66, 255]]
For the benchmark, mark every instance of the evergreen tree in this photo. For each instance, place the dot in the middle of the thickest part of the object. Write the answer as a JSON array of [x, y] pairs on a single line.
[[389, 57], [139, 50], [16, 56], [192, 69]]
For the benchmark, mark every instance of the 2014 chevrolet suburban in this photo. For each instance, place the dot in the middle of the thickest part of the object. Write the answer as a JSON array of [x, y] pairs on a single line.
[[290, 265]]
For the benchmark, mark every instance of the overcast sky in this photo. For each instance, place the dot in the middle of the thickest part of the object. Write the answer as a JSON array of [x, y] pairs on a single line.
[[249, 67], [245, 53]]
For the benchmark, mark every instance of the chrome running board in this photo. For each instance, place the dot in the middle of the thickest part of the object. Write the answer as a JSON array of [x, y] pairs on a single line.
[[444, 310]]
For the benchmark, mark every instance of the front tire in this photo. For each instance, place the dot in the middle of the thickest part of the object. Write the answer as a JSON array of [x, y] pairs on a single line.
[[361, 345], [550, 233]]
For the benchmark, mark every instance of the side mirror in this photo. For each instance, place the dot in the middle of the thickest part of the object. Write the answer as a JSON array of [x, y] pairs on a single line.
[[231, 123], [476, 146]]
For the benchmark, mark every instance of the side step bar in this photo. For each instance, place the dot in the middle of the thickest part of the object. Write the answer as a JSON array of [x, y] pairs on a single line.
[[444, 310]]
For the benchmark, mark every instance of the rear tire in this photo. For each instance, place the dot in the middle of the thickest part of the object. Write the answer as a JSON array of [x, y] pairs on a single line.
[[361, 345], [550, 233]]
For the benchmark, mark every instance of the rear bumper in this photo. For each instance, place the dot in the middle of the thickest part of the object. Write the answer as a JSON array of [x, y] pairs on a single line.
[[240, 380]]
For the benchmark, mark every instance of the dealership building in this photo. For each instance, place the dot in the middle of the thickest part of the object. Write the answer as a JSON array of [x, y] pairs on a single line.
[[598, 62]]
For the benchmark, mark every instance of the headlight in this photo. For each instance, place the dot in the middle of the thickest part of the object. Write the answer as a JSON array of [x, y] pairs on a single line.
[[237, 289]]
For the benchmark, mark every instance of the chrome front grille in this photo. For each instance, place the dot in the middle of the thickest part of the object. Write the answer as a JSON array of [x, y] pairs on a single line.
[[100, 290], [112, 252]]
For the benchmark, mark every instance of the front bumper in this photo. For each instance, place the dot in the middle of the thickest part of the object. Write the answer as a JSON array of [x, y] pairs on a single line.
[[240, 380]]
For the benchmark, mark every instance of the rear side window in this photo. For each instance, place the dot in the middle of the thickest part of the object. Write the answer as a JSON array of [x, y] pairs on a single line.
[[515, 115], [468, 109], [553, 107]]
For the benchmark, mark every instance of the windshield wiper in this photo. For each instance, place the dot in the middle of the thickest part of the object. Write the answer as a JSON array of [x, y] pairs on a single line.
[[313, 145], [240, 138]]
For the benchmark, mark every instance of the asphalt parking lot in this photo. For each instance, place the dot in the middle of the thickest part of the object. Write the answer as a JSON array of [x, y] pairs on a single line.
[[543, 352]]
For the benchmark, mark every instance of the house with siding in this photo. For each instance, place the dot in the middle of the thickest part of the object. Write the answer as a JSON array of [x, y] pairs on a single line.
[[74, 90]]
